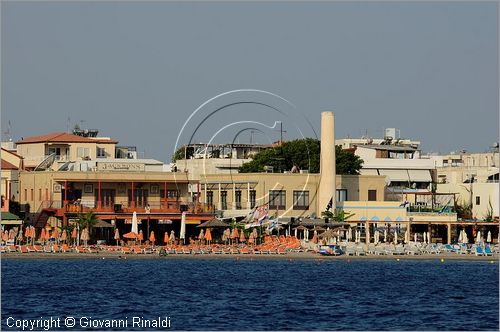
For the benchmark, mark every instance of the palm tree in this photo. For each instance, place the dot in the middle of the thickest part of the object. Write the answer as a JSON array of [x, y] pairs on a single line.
[[87, 220]]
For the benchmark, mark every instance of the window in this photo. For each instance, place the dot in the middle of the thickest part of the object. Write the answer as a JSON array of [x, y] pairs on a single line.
[[341, 195], [478, 200], [210, 198], [372, 195], [223, 200], [39, 194], [171, 194], [57, 151], [32, 194], [82, 152], [300, 200], [46, 194], [140, 197], [25, 194], [277, 199], [237, 197], [253, 196], [101, 153]]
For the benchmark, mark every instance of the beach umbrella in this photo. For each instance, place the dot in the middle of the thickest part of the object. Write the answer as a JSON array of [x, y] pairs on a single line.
[[140, 237], [478, 237], [117, 236], [295, 232], [12, 236], [428, 237], [47, 235], [152, 237], [395, 236], [27, 232], [414, 237], [349, 234], [315, 237], [208, 236], [85, 236], [135, 223], [406, 237], [182, 234], [251, 238], [172, 236], [488, 237], [425, 237], [165, 238], [32, 234], [242, 236], [224, 236], [20, 236], [64, 236], [377, 236], [201, 237], [73, 234], [42, 234], [385, 235], [460, 236], [55, 233]]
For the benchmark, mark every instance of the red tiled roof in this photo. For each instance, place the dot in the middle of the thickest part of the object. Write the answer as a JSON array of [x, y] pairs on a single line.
[[63, 137], [7, 165]]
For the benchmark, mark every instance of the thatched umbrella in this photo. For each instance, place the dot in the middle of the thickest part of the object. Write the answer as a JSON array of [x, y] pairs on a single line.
[[85, 236], [213, 223]]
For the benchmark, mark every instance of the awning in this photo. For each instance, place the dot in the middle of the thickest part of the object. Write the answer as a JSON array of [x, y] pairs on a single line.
[[398, 175], [368, 171], [12, 222], [193, 222], [420, 175], [103, 224], [10, 219]]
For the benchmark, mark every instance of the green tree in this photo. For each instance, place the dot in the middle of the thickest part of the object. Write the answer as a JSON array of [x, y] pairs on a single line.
[[87, 220], [304, 153], [183, 153], [339, 215]]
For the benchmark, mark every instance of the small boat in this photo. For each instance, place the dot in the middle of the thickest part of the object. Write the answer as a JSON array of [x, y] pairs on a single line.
[[331, 250]]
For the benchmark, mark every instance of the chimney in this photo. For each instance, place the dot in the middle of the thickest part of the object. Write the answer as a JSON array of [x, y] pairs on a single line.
[[327, 183]]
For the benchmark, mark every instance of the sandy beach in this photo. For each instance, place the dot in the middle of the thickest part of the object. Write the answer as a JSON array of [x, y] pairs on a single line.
[[288, 256]]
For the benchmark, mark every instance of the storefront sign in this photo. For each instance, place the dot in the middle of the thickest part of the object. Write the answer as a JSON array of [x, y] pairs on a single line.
[[116, 166]]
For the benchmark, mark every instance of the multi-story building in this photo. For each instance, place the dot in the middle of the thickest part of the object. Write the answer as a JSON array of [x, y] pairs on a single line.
[[399, 160], [474, 178]]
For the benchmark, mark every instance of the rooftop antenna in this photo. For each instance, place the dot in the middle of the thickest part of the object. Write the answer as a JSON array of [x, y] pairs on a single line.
[[8, 133]]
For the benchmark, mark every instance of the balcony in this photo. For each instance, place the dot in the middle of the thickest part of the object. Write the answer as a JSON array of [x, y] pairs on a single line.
[[173, 206]]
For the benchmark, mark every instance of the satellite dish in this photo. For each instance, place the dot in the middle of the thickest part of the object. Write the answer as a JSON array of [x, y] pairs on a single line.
[[46, 163], [65, 166]]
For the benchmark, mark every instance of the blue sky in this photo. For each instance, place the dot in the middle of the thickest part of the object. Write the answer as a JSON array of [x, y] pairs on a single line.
[[136, 71]]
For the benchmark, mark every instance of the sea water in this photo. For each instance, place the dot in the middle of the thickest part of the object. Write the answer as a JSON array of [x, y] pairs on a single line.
[[230, 294]]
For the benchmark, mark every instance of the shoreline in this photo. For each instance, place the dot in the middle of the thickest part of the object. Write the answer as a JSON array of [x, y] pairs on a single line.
[[246, 257]]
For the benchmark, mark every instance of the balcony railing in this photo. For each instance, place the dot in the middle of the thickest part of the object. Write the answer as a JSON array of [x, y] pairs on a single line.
[[139, 207]]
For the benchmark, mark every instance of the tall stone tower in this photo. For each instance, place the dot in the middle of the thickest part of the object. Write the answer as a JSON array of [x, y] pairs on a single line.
[[327, 163]]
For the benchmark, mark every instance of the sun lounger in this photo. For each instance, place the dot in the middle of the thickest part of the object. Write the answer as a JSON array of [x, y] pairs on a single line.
[[488, 251], [399, 250], [12, 248], [360, 251], [92, 250], [56, 248], [448, 248], [478, 250], [24, 250], [2, 249], [350, 251], [126, 250], [65, 248], [38, 248]]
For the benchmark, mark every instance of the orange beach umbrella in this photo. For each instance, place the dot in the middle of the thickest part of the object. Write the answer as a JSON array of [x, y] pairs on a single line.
[[55, 233], [152, 237], [73, 234], [141, 236], [165, 237], [64, 236], [5, 236], [208, 235], [27, 232], [234, 234], [42, 234], [130, 235], [242, 236]]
